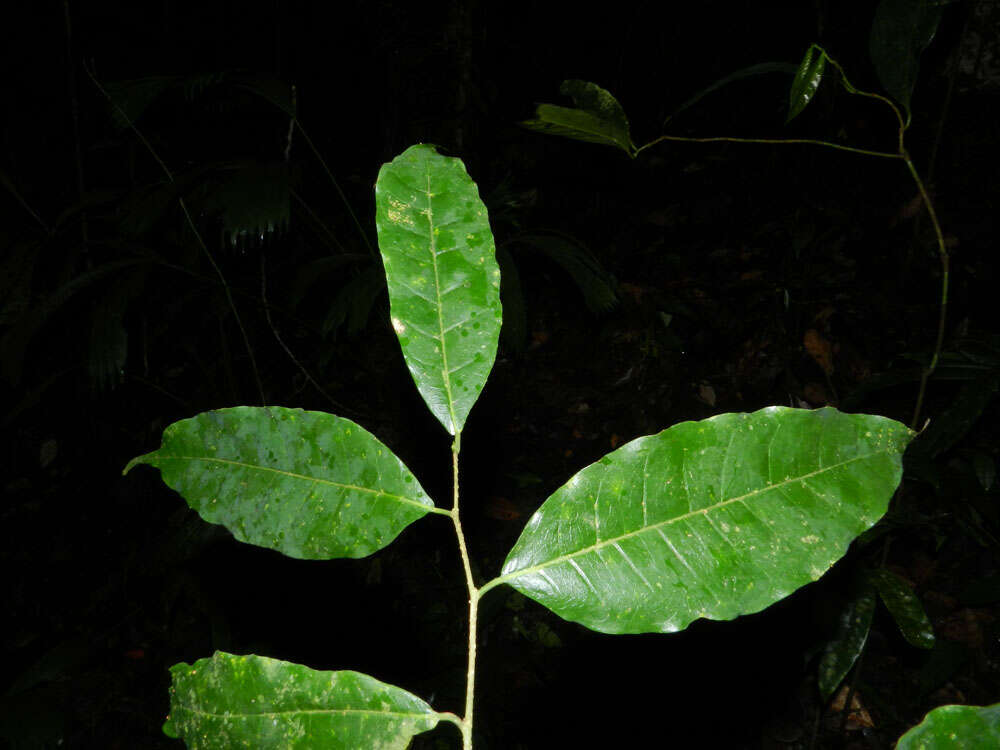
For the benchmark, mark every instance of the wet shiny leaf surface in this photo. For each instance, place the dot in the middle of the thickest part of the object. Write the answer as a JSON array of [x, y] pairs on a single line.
[[305, 483], [955, 728], [443, 278], [229, 701], [710, 519]]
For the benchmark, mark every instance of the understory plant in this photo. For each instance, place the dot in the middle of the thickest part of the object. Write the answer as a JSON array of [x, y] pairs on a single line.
[[710, 519]]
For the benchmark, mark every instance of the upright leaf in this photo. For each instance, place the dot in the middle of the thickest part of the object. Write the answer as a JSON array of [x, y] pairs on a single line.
[[806, 81], [900, 31], [844, 649], [443, 279], [231, 701], [597, 117], [955, 728], [305, 483], [707, 519], [905, 608]]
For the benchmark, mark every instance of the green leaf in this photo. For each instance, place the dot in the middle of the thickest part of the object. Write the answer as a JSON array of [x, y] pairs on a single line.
[[305, 483], [956, 728], [806, 81], [951, 425], [231, 701], [444, 282], [843, 650], [710, 519], [905, 608], [900, 31], [597, 118]]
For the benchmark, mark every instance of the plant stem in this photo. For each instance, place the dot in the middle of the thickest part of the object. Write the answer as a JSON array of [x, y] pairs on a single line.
[[470, 678], [729, 139], [943, 307]]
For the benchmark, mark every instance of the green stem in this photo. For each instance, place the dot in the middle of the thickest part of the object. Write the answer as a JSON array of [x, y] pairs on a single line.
[[943, 307], [730, 139], [470, 678]]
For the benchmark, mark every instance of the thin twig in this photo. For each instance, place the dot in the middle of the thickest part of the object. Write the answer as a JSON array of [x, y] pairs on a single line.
[[336, 185], [267, 314], [194, 229]]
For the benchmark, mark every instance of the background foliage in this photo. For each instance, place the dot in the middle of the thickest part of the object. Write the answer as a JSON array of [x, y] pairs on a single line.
[[707, 279]]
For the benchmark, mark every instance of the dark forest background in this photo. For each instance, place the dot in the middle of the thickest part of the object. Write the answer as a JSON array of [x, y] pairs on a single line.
[[694, 280]]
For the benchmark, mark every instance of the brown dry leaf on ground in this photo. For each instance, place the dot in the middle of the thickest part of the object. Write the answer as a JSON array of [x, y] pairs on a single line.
[[859, 716], [819, 349]]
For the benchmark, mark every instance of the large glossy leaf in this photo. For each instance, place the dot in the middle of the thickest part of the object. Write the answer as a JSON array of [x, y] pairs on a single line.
[[955, 728], [900, 31], [844, 649], [229, 701], [443, 279], [707, 519], [305, 483], [597, 117]]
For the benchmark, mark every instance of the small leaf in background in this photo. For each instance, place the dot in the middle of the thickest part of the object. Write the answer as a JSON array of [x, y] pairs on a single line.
[[710, 519], [843, 650], [597, 118], [951, 425], [955, 728], [352, 304], [443, 279], [819, 349], [47, 453], [228, 701], [706, 393], [905, 608], [132, 98], [900, 32], [304, 483], [594, 282], [985, 468], [806, 81]]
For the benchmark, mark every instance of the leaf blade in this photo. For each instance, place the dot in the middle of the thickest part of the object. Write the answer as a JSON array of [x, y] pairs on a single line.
[[597, 117], [905, 608], [707, 519], [252, 701], [305, 483], [845, 647], [442, 275], [806, 81], [958, 727], [900, 32]]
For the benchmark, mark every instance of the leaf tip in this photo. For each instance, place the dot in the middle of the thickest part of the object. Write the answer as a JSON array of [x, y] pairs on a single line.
[[170, 730]]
